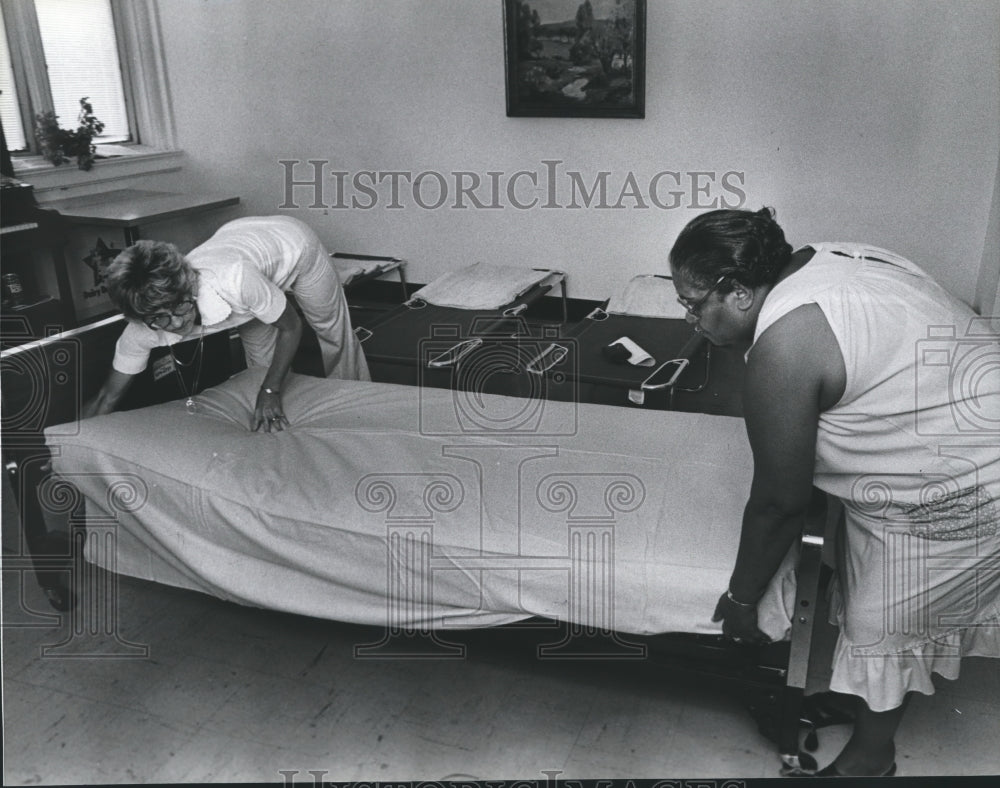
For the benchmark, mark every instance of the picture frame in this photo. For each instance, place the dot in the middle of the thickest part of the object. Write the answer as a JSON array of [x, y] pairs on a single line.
[[575, 58]]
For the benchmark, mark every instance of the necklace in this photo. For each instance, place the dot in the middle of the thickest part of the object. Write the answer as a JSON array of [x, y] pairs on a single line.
[[198, 356]]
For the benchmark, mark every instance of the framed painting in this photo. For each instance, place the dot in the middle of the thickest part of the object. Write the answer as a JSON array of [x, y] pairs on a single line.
[[575, 58]]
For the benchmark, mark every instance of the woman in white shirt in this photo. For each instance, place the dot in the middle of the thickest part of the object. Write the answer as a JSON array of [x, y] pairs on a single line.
[[238, 278]]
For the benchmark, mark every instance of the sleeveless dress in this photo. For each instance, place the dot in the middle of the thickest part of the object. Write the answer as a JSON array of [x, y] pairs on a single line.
[[912, 450]]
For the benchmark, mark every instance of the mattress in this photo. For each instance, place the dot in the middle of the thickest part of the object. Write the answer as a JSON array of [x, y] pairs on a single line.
[[424, 508]]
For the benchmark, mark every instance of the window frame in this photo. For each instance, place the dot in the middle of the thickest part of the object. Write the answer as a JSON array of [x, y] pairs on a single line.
[[144, 81]]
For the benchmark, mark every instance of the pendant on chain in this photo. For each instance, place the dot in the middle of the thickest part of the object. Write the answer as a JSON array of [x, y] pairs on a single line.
[[199, 355]]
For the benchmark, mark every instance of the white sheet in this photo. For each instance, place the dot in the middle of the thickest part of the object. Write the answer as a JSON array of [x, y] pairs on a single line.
[[501, 493]]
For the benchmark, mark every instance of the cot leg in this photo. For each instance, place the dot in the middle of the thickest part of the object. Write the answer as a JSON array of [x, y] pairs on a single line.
[[49, 552], [402, 282]]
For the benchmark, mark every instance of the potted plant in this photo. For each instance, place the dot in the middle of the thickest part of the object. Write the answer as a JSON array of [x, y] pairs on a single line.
[[59, 144]]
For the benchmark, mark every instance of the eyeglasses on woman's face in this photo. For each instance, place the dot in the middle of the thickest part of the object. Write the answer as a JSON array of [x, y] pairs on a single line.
[[694, 305], [162, 320]]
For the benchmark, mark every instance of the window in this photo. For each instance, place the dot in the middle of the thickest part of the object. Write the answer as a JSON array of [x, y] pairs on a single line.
[[78, 57], [55, 52], [81, 55]]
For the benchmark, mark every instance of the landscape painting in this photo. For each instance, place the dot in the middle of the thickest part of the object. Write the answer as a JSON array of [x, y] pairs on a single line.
[[575, 58]]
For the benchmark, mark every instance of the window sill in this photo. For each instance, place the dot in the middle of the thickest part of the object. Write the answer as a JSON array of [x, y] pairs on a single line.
[[52, 182]]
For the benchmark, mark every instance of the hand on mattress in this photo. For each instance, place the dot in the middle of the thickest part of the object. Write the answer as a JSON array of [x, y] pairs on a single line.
[[269, 412], [739, 621]]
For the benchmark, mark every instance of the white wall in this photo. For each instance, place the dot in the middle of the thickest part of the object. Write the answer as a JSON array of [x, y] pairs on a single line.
[[856, 120]]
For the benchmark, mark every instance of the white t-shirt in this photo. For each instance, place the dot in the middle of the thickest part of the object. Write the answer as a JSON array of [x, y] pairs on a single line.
[[243, 271]]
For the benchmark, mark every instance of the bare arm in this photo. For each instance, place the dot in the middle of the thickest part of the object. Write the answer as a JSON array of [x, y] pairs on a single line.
[[106, 400], [795, 371], [269, 411]]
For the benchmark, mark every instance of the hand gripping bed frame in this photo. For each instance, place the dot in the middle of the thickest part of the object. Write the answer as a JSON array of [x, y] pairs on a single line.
[[774, 675]]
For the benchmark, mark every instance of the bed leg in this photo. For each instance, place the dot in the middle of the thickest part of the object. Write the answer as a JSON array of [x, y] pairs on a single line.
[[56, 532], [50, 552]]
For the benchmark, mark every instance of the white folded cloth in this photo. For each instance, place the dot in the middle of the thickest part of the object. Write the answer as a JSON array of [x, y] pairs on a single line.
[[348, 268], [647, 295], [480, 286]]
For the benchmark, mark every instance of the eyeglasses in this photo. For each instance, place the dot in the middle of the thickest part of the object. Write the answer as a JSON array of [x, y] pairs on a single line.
[[693, 306], [162, 320]]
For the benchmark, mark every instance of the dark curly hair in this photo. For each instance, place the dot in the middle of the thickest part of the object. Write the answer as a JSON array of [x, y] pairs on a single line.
[[748, 247], [147, 278]]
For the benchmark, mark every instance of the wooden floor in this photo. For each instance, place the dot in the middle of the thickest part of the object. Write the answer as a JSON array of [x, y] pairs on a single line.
[[194, 689]]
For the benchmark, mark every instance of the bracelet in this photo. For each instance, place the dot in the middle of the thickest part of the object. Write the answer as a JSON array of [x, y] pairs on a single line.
[[267, 390], [735, 601]]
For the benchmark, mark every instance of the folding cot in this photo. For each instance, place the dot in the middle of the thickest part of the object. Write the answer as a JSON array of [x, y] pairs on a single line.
[[474, 327], [637, 349]]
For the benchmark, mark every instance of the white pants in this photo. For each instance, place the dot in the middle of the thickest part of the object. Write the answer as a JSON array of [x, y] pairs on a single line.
[[319, 295]]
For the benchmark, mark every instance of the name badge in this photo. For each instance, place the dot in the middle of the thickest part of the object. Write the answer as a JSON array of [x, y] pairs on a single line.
[[162, 367]]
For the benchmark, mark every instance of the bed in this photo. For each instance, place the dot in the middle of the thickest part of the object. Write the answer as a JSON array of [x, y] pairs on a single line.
[[427, 512]]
